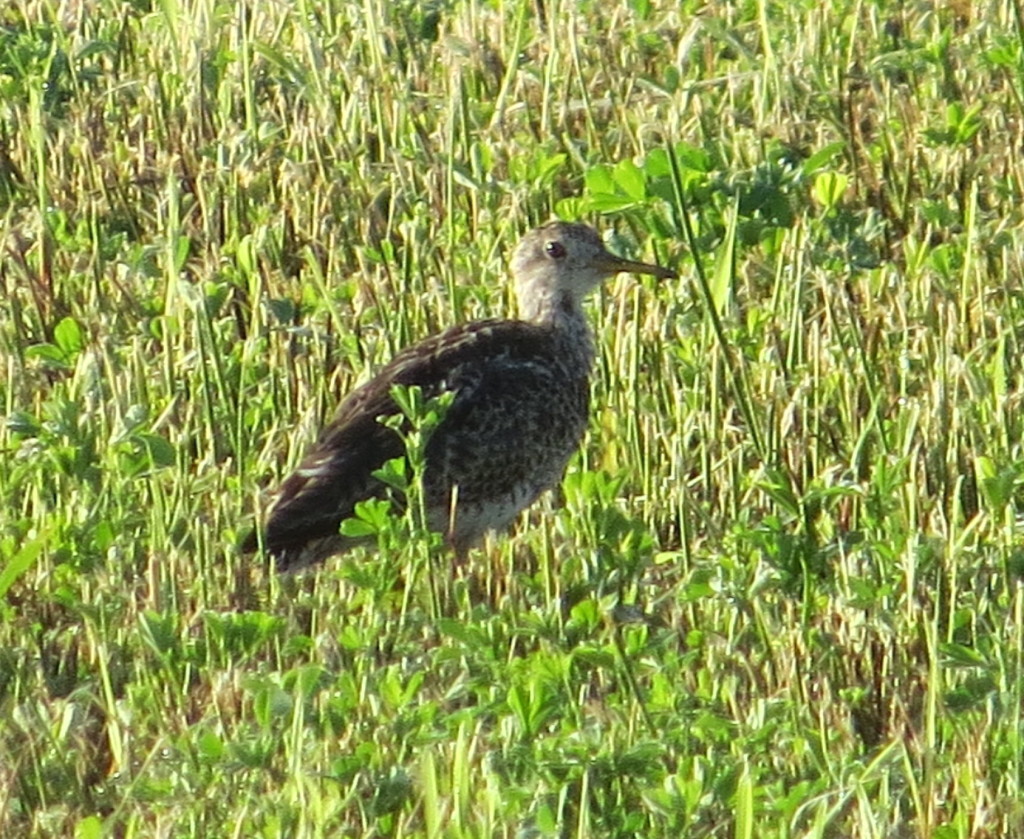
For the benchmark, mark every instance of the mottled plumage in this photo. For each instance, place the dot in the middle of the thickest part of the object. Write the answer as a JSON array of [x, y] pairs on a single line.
[[519, 410]]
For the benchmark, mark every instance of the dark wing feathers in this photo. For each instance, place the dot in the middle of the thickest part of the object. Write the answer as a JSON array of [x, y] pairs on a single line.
[[498, 411], [336, 473]]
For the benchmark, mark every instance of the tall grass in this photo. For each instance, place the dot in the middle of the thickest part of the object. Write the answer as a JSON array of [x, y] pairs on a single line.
[[778, 595]]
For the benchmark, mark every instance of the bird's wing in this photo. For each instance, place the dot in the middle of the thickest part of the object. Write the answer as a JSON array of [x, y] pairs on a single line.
[[337, 472]]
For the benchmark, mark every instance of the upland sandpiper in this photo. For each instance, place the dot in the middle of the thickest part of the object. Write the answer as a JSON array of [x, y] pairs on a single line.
[[518, 411]]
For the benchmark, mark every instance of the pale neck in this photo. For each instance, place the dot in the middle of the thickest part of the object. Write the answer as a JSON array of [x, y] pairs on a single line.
[[563, 314]]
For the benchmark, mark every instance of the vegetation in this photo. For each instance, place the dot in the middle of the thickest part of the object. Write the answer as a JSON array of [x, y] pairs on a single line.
[[781, 594]]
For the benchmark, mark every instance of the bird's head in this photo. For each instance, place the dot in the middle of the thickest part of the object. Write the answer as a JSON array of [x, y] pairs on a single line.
[[556, 265]]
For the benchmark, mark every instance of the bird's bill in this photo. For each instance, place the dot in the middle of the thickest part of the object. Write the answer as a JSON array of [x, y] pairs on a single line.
[[617, 265]]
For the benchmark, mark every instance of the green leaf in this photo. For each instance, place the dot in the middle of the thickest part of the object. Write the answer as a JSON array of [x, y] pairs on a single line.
[[160, 631], [570, 208], [91, 827], [957, 655], [630, 179], [272, 703], [160, 451], [598, 179], [823, 157], [23, 424], [691, 157], [594, 657], [985, 467], [49, 353], [356, 528], [605, 203], [210, 746], [996, 485], [829, 188], [20, 563], [283, 310], [548, 167], [68, 336], [182, 246], [394, 473], [656, 164], [586, 613], [721, 280]]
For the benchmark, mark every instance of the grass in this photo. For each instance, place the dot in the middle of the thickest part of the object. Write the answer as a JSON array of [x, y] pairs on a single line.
[[780, 596]]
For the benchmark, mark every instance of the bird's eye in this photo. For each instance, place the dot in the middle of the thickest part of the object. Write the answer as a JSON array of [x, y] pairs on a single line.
[[556, 250]]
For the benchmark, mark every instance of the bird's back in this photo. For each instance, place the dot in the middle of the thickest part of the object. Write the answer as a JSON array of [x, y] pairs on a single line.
[[518, 413]]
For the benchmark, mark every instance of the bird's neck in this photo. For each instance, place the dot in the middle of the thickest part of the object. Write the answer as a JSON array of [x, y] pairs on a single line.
[[563, 315]]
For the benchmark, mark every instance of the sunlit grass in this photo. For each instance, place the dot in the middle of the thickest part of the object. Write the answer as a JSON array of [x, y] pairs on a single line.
[[778, 594]]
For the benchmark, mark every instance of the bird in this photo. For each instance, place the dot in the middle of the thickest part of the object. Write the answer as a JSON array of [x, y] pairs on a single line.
[[518, 410]]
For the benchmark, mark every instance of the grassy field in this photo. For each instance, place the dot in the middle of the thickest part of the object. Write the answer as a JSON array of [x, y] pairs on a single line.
[[780, 593]]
